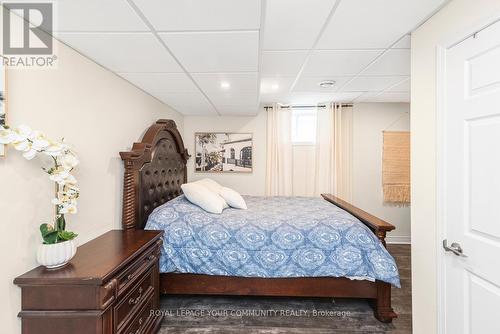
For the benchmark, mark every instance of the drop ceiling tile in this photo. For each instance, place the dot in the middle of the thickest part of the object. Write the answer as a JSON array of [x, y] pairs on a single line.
[[282, 63], [215, 51], [238, 82], [298, 18], [194, 110], [403, 43], [195, 98], [311, 84], [234, 99], [374, 24], [238, 110], [123, 52], [339, 62], [393, 62], [386, 97], [96, 15], [271, 98], [374, 84], [275, 85], [187, 103], [402, 86], [161, 82], [196, 15]]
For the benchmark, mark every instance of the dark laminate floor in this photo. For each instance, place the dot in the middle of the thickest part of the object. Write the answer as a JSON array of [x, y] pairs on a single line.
[[231, 315]]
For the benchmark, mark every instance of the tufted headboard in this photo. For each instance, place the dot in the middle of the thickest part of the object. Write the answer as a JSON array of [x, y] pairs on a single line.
[[155, 169]]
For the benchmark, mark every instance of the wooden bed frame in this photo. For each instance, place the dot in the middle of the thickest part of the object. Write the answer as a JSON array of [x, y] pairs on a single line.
[[155, 168]]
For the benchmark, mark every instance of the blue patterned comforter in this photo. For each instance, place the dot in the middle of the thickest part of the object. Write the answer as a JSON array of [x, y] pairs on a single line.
[[275, 237]]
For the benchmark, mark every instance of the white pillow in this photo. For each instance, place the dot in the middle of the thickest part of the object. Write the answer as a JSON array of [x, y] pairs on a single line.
[[210, 184], [232, 198], [203, 197], [213, 186]]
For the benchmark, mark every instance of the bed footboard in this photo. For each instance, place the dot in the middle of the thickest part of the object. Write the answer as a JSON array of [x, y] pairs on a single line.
[[382, 304], [377, 225], [197, 284]]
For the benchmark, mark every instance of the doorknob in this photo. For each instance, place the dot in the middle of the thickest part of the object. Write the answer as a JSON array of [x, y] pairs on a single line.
[[455, 248]]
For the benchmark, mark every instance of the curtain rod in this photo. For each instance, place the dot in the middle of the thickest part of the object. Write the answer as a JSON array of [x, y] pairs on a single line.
[[307, 106]]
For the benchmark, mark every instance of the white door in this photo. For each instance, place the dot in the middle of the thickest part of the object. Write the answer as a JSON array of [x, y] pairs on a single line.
[[472, 184]]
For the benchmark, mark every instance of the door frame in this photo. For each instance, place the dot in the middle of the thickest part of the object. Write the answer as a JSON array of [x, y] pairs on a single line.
[[441, 53]]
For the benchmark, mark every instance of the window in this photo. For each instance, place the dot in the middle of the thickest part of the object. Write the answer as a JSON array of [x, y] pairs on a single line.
[[304, 126], [246, 153], [246, 156]]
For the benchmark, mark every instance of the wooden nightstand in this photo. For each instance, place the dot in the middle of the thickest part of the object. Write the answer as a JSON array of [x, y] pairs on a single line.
[[110, 286]]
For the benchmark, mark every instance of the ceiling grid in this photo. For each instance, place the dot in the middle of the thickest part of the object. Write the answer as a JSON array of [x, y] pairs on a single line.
[[227, 57]]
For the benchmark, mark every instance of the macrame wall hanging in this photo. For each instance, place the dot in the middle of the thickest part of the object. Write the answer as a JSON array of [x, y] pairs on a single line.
[[396, 167]]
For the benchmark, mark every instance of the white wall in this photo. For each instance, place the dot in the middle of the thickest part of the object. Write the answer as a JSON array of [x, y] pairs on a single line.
[[245, 183], [254, 183], [100, 114], [457, 16], [369, 120]]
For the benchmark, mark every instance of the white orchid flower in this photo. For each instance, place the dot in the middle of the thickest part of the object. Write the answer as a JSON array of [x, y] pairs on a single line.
[[71, 192], [62, 177], [55, 149], [22, 134], [68, 208], [30, 153], [70, 179], [7, 136], [58, 175], [38, 141], [22, 145], [69, 161], [24, 131], [63, 210], [56, 201], [32, 142], [72, 188]]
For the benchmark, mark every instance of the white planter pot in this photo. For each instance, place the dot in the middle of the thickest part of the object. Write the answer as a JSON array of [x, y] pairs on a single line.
[[56, 255]]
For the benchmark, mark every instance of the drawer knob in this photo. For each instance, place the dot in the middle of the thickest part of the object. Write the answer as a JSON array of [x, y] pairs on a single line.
[[138, 329], [133, 301]]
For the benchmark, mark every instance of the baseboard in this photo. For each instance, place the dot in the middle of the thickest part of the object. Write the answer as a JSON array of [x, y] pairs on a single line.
[[406, 240]]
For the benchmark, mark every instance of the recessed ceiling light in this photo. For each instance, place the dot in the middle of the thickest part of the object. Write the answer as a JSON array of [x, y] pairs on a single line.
[[225, 85], [327, 83], [275, 86]]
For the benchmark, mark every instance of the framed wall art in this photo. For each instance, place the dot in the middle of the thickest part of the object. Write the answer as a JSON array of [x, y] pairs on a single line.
[[223, 152]]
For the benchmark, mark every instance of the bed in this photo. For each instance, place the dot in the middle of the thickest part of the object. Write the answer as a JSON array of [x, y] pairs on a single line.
[[280, 246]]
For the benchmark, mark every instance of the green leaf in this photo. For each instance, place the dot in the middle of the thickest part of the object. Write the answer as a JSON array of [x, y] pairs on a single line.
[[66, 235], [49, 235]]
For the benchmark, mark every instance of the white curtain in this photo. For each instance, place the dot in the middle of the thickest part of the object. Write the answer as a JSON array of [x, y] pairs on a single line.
[[279, 176], [334, 151]]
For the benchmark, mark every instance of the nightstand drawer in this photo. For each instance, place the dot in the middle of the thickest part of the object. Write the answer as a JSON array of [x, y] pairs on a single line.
[[142, 319], [132, 301], [127, 277]]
